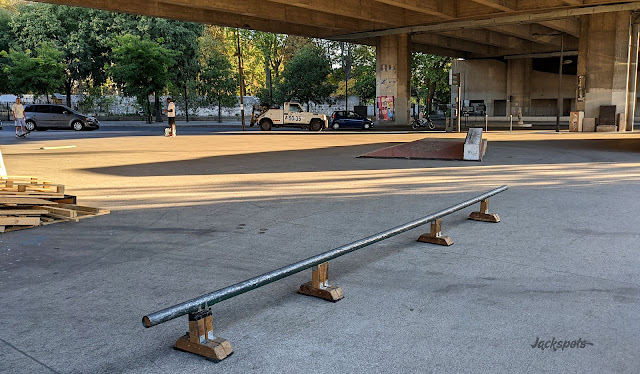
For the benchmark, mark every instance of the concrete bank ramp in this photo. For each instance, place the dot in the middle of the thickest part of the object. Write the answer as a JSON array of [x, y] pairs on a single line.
[[473, 149]]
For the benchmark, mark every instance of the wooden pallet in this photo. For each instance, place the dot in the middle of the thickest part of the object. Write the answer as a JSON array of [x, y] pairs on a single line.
[[32, 187], [26, 202]]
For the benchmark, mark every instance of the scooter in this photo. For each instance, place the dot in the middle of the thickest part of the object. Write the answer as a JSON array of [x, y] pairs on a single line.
[[423, 122]]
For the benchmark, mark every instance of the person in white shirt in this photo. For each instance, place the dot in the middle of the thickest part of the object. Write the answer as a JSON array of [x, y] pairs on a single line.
[[171, 115], [17, 110]]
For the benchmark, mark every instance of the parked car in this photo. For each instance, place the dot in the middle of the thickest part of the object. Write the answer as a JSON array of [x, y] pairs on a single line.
[[348, 118], [54, 116]]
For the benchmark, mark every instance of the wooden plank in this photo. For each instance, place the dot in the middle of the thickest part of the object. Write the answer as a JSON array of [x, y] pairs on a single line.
[[19, 221], [16, 228], [21, 186], [59, 218], [62, 212], [25, 200], [37, 195], [67, 199], [87, 209], [24, 212]]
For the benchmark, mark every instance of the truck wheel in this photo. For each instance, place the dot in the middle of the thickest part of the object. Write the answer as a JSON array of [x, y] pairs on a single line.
[[266, 125], [316, 125]]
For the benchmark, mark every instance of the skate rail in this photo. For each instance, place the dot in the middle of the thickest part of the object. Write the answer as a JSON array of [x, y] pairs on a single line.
[[201, 335]]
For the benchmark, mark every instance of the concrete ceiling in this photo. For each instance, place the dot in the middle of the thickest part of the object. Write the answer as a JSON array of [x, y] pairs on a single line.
[[458, 28]]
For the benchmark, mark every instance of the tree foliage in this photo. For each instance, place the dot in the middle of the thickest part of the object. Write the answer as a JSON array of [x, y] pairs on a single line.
[[430, 78], [217, 82], [305, 77], [364, 73], [41, 73], [78, 33], [141, 67]]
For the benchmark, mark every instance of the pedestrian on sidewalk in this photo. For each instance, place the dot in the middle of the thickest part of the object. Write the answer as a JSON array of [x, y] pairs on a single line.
[[171, 116], [17, 111]]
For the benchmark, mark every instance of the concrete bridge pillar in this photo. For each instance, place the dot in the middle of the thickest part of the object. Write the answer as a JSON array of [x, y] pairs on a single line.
[[607, 65], [393, 76], [519, 86]]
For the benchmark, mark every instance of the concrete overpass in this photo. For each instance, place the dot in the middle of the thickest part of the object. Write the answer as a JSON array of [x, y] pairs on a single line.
[[603, 33]]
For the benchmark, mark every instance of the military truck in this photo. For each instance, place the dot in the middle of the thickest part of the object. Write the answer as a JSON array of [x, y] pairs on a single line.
[[292, 116]]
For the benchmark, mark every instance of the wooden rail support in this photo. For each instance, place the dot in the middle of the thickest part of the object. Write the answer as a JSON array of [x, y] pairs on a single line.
[[483, 214], [319, 285], [435, 236], [200, 339]]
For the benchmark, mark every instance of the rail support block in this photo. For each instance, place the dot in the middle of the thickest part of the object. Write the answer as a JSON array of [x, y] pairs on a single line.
[[435, 236], [319, 285], [200, 339], [484, 215]]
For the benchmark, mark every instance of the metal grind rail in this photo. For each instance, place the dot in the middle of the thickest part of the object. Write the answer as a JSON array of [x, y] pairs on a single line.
[[200, 339]]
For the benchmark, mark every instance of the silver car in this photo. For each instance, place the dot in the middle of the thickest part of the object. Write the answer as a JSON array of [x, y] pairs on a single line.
[[54, 116]]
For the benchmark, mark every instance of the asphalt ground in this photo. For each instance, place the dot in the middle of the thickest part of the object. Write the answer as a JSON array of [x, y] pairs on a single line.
[[213, 207]]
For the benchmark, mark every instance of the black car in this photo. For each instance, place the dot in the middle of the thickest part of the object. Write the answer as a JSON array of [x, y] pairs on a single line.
[[348, 118], [54, 116]]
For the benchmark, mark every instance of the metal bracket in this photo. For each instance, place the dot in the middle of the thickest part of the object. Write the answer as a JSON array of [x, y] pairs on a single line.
[[483, 214], [319, 285], [200, 339], [435, 236]]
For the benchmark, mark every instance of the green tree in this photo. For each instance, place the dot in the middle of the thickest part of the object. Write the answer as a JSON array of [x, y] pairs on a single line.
[[364, 73], [305, 77], [217, 81], [142, 67], [80, 34], [6, 33], [430, 78], [40, 74], [181, 38], [271, 47]]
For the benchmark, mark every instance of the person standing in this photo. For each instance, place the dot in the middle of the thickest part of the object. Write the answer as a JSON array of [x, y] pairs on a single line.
[[17, 110], [171, 115]]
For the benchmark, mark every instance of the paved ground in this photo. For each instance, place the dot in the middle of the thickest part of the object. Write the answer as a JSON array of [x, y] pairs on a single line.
[[210, 208]]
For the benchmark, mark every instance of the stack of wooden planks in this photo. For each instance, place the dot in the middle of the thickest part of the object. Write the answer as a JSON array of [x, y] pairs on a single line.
[[26, 202]]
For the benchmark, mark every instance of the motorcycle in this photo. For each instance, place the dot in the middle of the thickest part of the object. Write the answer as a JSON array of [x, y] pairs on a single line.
[[423, 122]]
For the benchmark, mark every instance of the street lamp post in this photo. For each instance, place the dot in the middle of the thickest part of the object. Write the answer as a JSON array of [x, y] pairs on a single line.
[[242, 88], [560, 101]]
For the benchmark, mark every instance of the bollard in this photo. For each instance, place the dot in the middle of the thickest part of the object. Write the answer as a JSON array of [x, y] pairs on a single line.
[[510, 122]]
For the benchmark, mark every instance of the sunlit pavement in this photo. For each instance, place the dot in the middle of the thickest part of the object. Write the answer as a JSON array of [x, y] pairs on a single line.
[[212, 207]]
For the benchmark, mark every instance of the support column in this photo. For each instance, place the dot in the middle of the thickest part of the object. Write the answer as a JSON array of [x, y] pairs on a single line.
[[632, 88], [393, 77], [605, 60], [519, 86]]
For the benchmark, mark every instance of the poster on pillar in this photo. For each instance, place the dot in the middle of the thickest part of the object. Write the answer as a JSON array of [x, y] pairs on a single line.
[[580, 90], [385, 108]]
